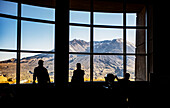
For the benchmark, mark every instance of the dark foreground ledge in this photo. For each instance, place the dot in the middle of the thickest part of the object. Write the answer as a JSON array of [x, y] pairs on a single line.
[[91, 94]]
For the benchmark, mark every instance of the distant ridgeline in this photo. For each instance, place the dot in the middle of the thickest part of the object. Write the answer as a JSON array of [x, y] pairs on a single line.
[[102, 63]]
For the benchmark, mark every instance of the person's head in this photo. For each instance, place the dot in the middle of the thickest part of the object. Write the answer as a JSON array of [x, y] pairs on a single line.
[[127, 76], [78, 66], [40, 62], [109, 78]]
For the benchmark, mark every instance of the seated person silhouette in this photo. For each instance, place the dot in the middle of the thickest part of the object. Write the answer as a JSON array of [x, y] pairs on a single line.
[[124, 89], [109, 80], [125, 81], [78, 76], [41, 74]]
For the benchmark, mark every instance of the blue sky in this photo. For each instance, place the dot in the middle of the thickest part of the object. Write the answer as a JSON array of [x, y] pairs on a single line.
[[113, 19], [37, 36], [40, 37], [34, 36]]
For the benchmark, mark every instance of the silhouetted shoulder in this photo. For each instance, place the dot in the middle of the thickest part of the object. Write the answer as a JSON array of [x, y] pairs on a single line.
[[35, 68], [78, 72], [42, 68]]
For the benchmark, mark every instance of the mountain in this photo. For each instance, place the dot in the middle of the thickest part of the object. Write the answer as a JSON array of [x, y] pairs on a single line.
[[106, 46], [13, 60], [103, 64], [79, 45], [8, 67]]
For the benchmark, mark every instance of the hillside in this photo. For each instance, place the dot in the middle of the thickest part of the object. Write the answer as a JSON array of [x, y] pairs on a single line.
[[103, 64]]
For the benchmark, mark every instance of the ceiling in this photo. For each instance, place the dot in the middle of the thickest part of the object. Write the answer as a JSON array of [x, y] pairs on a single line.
[[98, 5]]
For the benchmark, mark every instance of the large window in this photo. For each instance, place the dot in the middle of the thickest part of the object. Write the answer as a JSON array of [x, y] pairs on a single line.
[[26, 36], [105, 36], [108, 37]]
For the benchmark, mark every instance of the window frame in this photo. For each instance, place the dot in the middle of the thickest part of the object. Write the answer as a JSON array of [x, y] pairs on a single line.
[[124, 27], [18, 50]]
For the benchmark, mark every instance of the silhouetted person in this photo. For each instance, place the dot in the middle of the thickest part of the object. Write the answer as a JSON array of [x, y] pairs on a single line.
[[124, 83], [111, 94], [109, 80], [41, 74], [78, 76], [124, 89]]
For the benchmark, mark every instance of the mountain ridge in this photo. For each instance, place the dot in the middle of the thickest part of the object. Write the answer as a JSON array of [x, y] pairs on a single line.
[[106, 46], [103, 64]]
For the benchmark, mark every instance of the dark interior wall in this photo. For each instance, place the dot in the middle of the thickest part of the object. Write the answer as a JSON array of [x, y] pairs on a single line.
[[161, 42], [161, 75]]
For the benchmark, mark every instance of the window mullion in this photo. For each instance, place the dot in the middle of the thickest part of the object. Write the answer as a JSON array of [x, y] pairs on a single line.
[[124, 37], [18, 42], [91, 42]]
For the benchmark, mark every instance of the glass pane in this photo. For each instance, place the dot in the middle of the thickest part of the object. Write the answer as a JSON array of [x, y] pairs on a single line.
[[130, 40], [108, 40], [136, 41], [37, 36], [140, 10], [131, 19], [8, 33], [85, 65], [7, 7], [30, 60], [79, 39], [8, 67], [114, 19], [104, 64], [79, 17], [130, 66], [38, 12]]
